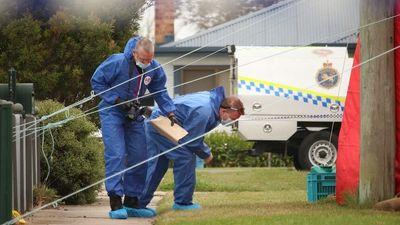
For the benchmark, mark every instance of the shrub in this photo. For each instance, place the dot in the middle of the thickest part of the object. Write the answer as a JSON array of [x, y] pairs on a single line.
[[231, 151], [43, 195], [77, 158]]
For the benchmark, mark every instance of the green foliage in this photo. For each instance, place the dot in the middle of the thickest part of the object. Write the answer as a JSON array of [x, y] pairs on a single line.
[[230, 151], [77, 47], [57, 45], [121, 13], [25, 49], [59, 57], [43, 195], [77, 158]]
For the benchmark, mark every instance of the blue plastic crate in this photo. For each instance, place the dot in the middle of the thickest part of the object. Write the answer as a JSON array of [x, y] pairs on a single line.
[[320, 185]]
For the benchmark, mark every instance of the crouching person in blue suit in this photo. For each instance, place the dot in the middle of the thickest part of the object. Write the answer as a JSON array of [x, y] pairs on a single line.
[[122, 122], [198, 113]]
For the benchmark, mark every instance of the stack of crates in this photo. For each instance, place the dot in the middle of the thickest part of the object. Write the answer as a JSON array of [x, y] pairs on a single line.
[[321, 182]]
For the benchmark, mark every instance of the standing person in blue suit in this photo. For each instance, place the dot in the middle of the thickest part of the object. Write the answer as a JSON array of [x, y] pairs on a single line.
[[121, 118], [198, 113]]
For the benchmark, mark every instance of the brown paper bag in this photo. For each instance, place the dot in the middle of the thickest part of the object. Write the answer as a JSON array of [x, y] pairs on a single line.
[[163, 126]]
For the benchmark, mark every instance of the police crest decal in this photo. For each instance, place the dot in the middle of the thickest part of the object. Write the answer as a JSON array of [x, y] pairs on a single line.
[[147, 80], [327, 76]]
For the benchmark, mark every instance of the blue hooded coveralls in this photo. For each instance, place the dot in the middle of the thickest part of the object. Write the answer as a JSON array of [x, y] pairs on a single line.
[[124, 140], [198, 113]]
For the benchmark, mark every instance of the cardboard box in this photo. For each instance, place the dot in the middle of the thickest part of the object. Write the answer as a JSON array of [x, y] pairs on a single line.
[[163, 126]]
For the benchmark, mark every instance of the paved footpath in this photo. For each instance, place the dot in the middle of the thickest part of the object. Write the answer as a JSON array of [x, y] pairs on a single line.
[[94, 214]]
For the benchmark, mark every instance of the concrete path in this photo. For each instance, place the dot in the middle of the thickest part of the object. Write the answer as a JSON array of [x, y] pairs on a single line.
[[94, 214]]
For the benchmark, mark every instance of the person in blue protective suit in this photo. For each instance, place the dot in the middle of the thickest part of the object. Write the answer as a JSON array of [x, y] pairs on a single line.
[[198, 113], [122, 120]]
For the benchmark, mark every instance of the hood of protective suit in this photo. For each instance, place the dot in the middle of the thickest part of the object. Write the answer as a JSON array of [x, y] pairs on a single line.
[[217, 95], [130, 46]]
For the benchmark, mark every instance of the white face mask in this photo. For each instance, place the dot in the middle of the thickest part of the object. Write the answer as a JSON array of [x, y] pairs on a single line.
[[142, 65], [226, 122]]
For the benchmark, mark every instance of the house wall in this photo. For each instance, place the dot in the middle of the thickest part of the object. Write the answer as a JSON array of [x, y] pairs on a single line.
[[192, 69]]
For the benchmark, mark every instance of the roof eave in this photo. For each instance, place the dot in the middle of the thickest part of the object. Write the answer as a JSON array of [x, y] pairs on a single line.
[[169, 50]]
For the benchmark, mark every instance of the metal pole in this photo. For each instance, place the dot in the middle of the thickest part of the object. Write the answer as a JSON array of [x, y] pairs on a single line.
[[23, 167], [5, 161], [233, 85], [30, 169], [16, 148]]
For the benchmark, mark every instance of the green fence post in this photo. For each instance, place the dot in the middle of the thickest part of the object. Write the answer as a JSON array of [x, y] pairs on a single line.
[[5, 161]]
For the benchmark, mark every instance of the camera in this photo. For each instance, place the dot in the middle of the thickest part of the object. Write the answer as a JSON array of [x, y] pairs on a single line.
[[134, 111]]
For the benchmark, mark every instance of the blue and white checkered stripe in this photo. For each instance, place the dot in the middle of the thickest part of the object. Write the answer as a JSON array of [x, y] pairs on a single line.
[[287, 93]]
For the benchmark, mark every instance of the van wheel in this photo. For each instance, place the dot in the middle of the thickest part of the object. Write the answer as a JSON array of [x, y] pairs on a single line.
[[316, 150], [296, 163]]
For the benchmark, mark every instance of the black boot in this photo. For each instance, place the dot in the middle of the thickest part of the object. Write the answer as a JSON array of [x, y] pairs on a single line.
[[115, 201], [131, 202]]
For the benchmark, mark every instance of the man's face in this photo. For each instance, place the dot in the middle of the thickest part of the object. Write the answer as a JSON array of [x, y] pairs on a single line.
[[143, 56], [232, 114]]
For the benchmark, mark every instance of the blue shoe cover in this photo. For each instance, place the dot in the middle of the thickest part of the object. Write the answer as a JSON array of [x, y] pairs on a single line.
[[153, 210], [192, 206], [140, 212], [118, 214]]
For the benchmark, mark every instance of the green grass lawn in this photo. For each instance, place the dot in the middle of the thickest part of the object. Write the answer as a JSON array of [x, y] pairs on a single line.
[[261, 196]]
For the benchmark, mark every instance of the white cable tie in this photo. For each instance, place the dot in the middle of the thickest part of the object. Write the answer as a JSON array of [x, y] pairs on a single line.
[[54, 204], [92, 95], [67, 113]]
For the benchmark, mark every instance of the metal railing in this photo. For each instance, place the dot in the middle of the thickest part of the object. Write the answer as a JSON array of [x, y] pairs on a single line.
[[19, 161]]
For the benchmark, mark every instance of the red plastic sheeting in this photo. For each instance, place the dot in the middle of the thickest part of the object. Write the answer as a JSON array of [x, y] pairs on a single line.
[[397, 72], [348, 161]]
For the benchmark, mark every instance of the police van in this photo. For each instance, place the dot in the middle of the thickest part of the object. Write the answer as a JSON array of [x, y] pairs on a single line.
[[294, 99]]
